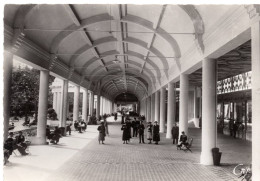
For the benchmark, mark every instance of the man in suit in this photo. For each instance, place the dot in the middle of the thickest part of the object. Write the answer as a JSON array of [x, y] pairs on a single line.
[[175, 134], [141, 132], [183, 139], [134, 128], [156, 133]]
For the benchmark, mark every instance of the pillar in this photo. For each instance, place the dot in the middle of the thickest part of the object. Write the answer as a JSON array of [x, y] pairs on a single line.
[[64, 105], [76, 103], [85, 105], [149, 108], [8, 66], [255, 36], [209, 134], [184, 99], [42, 107], [196, 108], [92, 104], [171, 112], [101, 105], [54, 105], [157, 106], [162, 109], [153, 107], [58, 105], [98, 106]]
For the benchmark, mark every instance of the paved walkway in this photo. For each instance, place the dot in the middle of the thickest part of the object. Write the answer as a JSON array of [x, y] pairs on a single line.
[[82, 158]]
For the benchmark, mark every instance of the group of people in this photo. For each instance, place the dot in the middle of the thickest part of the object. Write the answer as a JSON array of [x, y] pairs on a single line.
[[12, 144], [138, 129], [80, 126], [53, 136]]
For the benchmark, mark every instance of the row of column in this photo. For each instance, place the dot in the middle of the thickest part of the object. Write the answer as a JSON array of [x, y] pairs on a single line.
[[104, 106], [157, 105]]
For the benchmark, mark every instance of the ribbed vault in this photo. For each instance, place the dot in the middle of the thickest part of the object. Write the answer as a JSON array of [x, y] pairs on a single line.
[[89, 38]]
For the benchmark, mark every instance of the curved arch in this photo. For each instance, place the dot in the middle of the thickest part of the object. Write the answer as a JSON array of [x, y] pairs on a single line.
[[128, 77], [146, 72], [131, 53], [148, 79], [127, 40], [105, 17], [197, 21], [110, 64]]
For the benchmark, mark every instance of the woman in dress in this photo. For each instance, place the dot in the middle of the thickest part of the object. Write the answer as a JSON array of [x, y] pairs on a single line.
[[149, 132], [125, 135], [102, 132], [156, 134]]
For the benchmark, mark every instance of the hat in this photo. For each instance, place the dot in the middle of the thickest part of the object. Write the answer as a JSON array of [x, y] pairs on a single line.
[[155, 121]]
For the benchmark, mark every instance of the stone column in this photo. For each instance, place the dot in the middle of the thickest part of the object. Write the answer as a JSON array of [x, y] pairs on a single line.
[[157, 107], [153, 107], [255, 36], [208, 110], [98, 106], [76, 103], [85, 105], [8, 66], [171, 112], [64, 105], [149, 108], [196, 108], [54, 106], [42, 107], [92, 104], [162, 109], [184, 99], [101, 105]]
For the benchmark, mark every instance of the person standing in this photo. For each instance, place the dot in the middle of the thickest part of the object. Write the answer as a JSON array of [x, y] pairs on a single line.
[[175, 134], [134, 128], [125, 134], [128, 125], [115, 117], [141, 132], [106, 126], [149, 132], [102, 133], [156, 134]]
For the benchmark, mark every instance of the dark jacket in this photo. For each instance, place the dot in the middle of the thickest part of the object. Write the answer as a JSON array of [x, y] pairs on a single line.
[[156, 134]]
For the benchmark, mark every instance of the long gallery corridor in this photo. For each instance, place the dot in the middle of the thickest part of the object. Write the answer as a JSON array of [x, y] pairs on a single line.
[[116, 161]]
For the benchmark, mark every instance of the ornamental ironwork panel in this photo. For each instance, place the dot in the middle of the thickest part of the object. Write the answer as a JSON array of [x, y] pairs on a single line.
[[236, 83]]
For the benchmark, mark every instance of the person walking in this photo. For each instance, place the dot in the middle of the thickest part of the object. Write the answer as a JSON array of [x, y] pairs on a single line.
[[175, 134], [141, 132], [149, 132], [156, 133], [125, 134], [102, 133], [106, 126]]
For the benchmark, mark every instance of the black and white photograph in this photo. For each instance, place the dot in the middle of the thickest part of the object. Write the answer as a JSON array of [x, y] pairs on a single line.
[[130, 91]]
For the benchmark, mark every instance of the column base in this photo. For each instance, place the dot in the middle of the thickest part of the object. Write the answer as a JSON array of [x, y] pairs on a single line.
[[38, 141], [206, 158]]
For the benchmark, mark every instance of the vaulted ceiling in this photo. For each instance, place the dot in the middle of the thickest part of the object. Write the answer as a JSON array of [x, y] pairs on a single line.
[[118, 48]]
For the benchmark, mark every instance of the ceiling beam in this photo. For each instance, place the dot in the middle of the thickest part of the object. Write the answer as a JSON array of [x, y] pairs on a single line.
[[72, 14], [149, 45], [117, 12], [84, 34]]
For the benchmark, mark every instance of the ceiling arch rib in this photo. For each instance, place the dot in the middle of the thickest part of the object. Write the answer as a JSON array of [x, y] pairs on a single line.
[[147, 73], [197, 23], [140, 83], [130, 53], [127, 40], [133, 73], [136, 83], [110, 64]]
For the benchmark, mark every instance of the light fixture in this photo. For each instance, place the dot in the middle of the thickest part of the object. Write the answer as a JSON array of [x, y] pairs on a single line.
[[116, 61]]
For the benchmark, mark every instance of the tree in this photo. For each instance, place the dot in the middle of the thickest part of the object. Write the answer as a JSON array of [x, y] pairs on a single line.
[[25, 91]]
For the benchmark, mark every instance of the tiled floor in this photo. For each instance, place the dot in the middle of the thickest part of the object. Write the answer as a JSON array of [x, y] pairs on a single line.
[[80, 157]]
